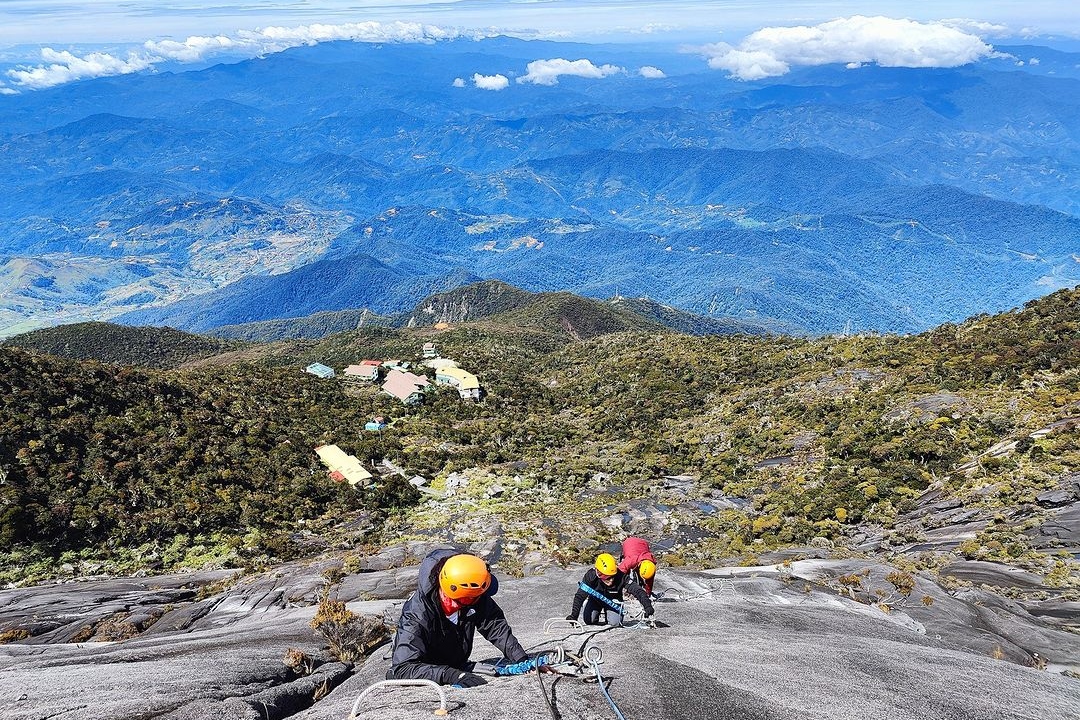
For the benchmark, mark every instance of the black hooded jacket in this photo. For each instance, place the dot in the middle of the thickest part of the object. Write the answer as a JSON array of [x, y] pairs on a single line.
[[622, 583], [430, 647]]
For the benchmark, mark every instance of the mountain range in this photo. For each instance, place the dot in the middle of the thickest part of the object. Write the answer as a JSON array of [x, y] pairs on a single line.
[[352, 176]]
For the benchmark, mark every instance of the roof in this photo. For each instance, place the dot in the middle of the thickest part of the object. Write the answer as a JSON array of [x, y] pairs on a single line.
[[464, 380], [320, 370], [373, 363], [363, 370], [403, 384], [341, 463]]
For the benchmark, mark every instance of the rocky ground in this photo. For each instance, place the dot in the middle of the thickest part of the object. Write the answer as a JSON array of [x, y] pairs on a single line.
[[805, 639]]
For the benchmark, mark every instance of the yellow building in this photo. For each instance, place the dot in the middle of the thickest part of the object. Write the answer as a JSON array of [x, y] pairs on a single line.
[[341, 466], [465, 382]]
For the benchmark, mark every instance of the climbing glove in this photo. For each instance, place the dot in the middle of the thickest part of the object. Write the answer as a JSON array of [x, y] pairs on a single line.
[[520, 668], [468, 680]]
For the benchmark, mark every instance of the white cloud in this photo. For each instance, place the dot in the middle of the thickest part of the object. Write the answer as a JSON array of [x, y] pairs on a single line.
[[547, 72], [980, 28], [195, 49], [1033, 61], [745, 64], [62, 67], [856, 40], [655, 27], [459, 82], [276, 39], [490, 82], [648, 71]]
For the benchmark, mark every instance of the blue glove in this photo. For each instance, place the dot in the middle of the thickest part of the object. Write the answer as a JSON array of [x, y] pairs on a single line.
[[520, 668]]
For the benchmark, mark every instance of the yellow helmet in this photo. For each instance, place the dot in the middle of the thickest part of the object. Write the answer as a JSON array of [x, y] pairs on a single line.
[[606, 565], [464, 577], [646, 569]]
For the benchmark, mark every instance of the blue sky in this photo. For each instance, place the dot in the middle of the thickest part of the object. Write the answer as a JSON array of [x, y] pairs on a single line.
[[130, 21], [44, 43]]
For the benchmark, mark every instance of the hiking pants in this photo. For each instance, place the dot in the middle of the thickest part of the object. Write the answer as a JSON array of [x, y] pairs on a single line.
[[594, 611]]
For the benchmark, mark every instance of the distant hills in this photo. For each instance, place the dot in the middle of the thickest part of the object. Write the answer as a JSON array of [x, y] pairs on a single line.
[[107, 342], [831, 199], [563, 314], [560, 317]]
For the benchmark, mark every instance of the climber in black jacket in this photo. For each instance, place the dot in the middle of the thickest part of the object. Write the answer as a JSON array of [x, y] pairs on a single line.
[[602, 588], [435, 633]]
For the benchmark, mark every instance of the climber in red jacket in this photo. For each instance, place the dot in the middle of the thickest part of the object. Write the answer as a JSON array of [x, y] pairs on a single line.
[[637, 560]]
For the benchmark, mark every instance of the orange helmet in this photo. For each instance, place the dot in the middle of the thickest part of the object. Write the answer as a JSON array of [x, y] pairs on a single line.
[[464, 577], [605, 564], [646, 569]]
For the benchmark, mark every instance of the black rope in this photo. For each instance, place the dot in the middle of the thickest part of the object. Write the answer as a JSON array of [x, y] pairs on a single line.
[[547, 701]]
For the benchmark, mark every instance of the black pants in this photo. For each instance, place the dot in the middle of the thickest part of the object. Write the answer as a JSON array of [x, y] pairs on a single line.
[[591, 613]]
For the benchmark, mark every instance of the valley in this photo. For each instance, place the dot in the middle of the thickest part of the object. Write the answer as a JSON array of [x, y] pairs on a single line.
[[883, 199]]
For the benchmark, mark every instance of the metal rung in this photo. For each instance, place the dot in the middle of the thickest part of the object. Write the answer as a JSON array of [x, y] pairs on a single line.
[[726, 587], [562, 623], [402, 683]]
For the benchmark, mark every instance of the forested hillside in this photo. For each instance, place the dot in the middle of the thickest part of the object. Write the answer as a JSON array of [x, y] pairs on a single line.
[[809, 438], [121, 344]]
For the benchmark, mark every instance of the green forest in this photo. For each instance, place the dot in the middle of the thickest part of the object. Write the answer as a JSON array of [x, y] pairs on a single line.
[[210, 460]]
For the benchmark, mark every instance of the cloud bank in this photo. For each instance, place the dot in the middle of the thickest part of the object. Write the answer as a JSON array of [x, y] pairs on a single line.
[[62, 67], [548, 72], [773, 51], [768, 52]]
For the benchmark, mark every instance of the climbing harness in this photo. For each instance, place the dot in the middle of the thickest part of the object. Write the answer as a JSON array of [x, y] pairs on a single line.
[[613, 604], [401, 683]]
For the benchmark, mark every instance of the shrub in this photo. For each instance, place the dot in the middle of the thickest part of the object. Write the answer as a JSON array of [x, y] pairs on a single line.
[[298, 661], [350, 636], [13, 635], [969, 549], [116, 628], [904, 582]]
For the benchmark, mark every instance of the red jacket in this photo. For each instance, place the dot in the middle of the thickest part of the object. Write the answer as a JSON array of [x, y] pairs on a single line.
[[634, 550]]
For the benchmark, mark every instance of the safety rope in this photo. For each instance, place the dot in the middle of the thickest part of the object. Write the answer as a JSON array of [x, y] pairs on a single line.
[[724, 587], [547, 700], [585, 655], [600, 682], [520, 668]]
